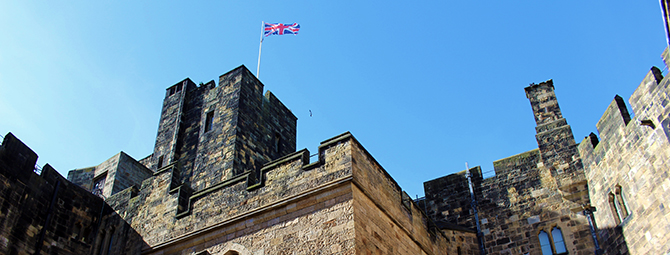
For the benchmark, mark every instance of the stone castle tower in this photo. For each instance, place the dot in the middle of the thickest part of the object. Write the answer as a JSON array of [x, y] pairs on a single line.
[[215, 133], [225, 178], [542, 190]]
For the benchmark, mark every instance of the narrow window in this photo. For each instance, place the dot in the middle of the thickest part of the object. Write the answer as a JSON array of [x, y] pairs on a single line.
[[208, 121], [559, 243], [613, 207], [99, 184], [621, 203], [545, 243], [160, 162], [277, 141]]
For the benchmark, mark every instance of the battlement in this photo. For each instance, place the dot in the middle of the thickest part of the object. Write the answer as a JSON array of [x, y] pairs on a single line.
[[215, 133], [47, 214], [626, 168], [282, 189], [649, 103], [17, 159]]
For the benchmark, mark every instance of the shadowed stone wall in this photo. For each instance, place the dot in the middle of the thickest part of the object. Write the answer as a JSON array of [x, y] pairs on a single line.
[[213, 134], [119, 172], [46, 214], [344, 203], [534, 191]]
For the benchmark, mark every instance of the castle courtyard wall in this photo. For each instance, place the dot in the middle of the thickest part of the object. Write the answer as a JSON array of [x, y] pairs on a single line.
[[630, 163], [47, 214], [534, 191]]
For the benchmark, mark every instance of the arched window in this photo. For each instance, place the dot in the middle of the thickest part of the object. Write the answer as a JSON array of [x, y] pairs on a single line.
[[545, 243], [232, 253], [559, 243], [552, 243], [615, 210], [621, 203]]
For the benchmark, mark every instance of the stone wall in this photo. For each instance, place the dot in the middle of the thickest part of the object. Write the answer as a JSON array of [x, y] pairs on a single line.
[[154, 212], [627, 170], [214, 134], [341, 204], [119, 172], [448, 199], [534, 191], [388, 221], [46, 214]]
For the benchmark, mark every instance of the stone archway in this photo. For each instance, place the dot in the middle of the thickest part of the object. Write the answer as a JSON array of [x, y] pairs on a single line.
[[235, 249]]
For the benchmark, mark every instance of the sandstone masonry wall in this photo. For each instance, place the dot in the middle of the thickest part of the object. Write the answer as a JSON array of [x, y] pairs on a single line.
[[47, 214], [214, 134], [119, 172], [154, 214], [534, 191], [627, 170], [387, 220]]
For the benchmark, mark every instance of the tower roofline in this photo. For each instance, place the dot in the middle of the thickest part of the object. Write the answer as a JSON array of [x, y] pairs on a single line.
[[549, 83]]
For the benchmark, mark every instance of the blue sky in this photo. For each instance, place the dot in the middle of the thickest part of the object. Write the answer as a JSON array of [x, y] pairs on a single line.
[[425, 86]]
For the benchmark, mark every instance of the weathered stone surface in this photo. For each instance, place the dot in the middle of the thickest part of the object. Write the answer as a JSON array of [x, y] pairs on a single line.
[[46, 214], [224, 178], [217, 133], [119, 172], [531, 192], [629, 165]]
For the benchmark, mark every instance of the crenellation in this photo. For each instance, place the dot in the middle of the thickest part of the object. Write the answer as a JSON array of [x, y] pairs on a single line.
[[626, 168], [225, 178], [613, 121], [46, 214], [534, 191]]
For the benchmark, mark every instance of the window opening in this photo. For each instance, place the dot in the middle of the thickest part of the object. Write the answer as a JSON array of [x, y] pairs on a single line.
[[615, 210], [99, 184], [208, 121], [559, 243], [621, 203], [544, 243], [160, 162], [277, 142]]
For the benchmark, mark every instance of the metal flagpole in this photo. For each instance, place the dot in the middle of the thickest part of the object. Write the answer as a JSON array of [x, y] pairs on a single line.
[[258, 68]]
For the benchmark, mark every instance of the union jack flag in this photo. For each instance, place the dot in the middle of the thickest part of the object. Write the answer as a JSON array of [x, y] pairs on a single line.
[[280, 29]]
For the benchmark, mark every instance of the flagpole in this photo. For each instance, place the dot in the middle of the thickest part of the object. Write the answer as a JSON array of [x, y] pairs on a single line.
[[258, 68]]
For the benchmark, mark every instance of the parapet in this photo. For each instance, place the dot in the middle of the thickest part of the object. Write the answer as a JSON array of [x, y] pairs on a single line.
[[16, 158], [165, 214]]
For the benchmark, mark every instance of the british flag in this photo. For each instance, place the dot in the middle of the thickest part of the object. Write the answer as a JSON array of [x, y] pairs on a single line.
[[280, 29]]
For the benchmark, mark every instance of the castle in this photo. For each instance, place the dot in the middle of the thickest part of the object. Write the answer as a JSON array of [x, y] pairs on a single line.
[[225, 178]]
